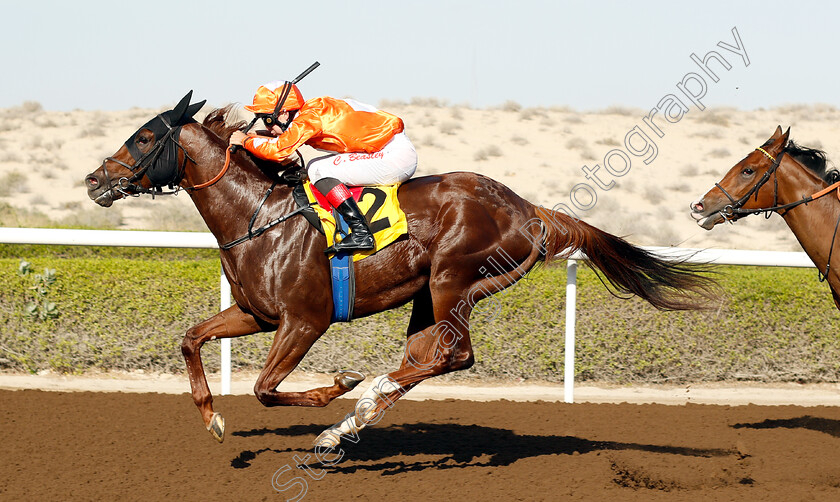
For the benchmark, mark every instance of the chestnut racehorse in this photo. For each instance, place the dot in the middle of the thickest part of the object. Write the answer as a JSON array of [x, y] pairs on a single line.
[[459, 224], [792, 181]]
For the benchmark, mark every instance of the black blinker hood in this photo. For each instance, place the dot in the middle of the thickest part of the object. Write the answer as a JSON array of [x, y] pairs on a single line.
[[161, 161]]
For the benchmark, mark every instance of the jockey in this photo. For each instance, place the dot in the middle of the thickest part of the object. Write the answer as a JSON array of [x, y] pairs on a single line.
[[360, 145]]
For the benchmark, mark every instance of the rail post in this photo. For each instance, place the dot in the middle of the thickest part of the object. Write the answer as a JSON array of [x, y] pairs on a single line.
[[569, 360], [224, 286]]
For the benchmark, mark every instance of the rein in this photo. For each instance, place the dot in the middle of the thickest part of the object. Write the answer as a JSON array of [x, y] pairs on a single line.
[[218, 176], [736, 208], [251, 232], [138, 172], [230, 149], [256, 233]]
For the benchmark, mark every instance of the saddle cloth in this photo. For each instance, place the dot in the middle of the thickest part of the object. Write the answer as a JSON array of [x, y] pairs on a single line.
[[380, 206]]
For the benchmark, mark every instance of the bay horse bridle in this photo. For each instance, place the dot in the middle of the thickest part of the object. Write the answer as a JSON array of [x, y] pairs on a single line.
[[161, 163], [154, 157], [736, 207]]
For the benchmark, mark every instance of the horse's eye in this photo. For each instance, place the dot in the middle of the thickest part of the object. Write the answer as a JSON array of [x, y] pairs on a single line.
[[142, 140], [748, 171]]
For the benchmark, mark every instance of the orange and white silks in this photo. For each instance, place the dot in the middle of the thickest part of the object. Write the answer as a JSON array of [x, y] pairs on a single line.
[[336, 125]]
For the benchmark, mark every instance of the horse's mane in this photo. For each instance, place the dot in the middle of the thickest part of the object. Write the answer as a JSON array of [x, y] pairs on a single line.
[[217, 122], [814, 159]]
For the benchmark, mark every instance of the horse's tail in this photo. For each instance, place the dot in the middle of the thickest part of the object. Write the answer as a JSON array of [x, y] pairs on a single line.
[[665, 284]]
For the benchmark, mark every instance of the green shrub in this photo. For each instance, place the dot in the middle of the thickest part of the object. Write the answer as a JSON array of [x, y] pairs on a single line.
[[39, 305]]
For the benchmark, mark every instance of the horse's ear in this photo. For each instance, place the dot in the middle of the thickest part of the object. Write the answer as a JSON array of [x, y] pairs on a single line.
[[779, 139], [785, 137], [181, 108], [193, 109]]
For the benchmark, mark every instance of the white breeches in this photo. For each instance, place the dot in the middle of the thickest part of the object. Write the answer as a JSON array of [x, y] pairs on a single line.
[[395, 163]]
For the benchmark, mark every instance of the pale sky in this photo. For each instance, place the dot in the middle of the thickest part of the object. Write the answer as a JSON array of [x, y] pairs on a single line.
[[110, 55]]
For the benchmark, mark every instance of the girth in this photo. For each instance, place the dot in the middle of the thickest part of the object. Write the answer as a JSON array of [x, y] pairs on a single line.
[[299, 193]]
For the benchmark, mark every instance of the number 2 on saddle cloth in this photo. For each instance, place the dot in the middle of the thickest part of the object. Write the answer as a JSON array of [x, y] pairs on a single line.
[[387, 223]]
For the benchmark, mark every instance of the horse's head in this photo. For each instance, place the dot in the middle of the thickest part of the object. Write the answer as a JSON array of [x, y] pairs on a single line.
[[744, 187], [149, 159]]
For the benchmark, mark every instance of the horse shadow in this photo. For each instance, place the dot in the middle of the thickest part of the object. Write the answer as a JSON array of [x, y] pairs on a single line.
[[825, 425], [456, 446]]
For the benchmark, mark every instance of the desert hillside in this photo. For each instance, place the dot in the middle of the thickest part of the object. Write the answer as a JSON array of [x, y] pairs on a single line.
[[538, 152]]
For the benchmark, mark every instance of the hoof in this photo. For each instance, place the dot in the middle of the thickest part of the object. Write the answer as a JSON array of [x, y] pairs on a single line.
[[328, 439], [348, 379], [217, 427]]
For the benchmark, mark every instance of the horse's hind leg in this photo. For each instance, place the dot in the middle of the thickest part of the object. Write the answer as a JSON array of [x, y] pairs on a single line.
[[230, 323], [433, 348], [292, 341]]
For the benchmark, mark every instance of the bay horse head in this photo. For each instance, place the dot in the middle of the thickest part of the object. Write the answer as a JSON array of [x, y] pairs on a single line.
[[149, 160], [744, 189], [753, 185]]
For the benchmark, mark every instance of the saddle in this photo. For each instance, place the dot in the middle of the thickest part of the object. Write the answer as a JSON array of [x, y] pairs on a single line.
[[387, 222], [379, 204]]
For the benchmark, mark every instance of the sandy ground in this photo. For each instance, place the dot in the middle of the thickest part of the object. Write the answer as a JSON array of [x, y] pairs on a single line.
[[587, 392], [539, 152], [120, 446]]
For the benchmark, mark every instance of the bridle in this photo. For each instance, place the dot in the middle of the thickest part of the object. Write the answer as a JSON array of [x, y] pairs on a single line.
[[736, 209], [127, 186], [736, 206]]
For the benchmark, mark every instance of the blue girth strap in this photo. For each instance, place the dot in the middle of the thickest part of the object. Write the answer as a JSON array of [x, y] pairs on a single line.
[[343, 280]]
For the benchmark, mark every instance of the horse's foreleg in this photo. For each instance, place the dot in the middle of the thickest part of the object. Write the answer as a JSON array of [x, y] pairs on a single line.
[[292, 341], [230, 323]]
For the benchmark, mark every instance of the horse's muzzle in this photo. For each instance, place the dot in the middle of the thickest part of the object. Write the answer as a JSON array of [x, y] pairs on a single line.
[[98, 191], [704, 217]]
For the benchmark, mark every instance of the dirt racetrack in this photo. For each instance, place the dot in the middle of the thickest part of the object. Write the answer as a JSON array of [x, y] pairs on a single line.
[[108, 446]]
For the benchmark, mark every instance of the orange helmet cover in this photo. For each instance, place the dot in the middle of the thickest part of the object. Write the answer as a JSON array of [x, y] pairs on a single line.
[[269, 94]]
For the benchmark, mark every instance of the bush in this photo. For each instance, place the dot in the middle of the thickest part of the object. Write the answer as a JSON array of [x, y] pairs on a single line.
[[450, 128], [32, 106], [511, 106], [12, 183], [487, 152]]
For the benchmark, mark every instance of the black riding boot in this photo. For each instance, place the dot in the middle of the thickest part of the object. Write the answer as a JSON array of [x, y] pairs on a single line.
[[360, 237]]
